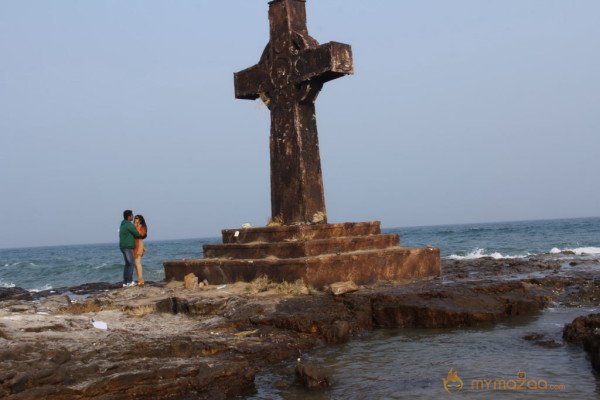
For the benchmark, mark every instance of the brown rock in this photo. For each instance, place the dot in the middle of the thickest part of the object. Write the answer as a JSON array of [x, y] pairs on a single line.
[[191, 281], [312, 377], [534, 336], [14, 293], [339, 288], [582, 328], [453, 305], [550, 344], [585, 330], [281, 385]]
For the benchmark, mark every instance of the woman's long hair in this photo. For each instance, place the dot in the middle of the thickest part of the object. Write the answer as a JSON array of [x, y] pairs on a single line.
[[140, 218]]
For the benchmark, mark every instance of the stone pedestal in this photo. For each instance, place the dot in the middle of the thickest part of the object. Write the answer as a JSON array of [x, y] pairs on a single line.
[[317, 254]]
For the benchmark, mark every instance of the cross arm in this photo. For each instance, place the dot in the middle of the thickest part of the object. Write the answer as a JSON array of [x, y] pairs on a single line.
[[326, 62], [249, 83]]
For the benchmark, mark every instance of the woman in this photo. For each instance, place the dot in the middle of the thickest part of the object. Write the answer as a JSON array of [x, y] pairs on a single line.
[[140, 224]]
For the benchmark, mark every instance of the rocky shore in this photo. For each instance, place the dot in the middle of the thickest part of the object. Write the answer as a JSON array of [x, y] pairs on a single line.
[[101, 341]]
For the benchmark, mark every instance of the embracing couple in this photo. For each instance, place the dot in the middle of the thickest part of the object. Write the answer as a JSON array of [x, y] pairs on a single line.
[[132, 246]]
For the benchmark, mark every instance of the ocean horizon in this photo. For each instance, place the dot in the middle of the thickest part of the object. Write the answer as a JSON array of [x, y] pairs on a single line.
[[383, 228], [47, 267]]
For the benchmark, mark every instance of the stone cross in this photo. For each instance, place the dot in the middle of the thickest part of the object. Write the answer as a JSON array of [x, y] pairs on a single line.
[[288, 78]]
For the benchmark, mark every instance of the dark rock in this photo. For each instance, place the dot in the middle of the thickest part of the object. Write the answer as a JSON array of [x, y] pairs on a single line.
[[14, 293], [80, 290], [550, 344], [534, 336], [592, 346], [582, 328], [454, 305], [96, 288], [321, 315], [312, 377], [281, 385], [585, 330]]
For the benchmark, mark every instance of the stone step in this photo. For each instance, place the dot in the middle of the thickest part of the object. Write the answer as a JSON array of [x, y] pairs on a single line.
[[397, 263], [300, 248], [300, 232]]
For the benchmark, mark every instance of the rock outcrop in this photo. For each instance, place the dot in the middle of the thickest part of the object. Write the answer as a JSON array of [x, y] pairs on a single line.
[[163, 341], [585, 331]]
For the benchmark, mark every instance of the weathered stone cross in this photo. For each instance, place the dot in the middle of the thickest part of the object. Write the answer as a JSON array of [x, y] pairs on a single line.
[[288, 78]]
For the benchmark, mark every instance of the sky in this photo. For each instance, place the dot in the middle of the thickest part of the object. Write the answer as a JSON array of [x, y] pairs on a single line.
[[459, 111]]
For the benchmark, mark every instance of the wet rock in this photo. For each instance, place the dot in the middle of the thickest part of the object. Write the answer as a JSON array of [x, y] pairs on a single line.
[[585, 330], [454, 305], [549, 344], [534, 336], [96, 288], [312, 377], [582, 328], [573, 291], [14, 293], [584, 262], [281, 385], [80, 290], [339, 288], [486, 267]]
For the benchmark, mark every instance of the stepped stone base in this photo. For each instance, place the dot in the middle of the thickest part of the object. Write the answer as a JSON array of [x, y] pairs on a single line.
[[317, 254]]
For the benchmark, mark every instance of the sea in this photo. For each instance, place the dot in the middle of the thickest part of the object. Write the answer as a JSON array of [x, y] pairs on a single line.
[[390, 363]]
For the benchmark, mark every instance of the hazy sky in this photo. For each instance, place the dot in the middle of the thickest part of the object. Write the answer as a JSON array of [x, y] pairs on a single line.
[[459, 111]]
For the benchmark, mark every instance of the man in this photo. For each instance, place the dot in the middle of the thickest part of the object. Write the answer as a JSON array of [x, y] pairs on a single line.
[[127, 236]]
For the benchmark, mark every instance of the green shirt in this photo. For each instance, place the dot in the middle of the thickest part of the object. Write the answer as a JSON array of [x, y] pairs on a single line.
[[127, 235]]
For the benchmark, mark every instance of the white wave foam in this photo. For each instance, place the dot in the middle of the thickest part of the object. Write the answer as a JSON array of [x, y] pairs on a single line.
[[480, 253], [45, 287], [20, 264], [578, 251], [100, 266], [15, 264], [6, 284]]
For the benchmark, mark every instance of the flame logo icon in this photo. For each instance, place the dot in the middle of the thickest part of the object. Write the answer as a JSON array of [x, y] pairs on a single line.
[[452, 383]]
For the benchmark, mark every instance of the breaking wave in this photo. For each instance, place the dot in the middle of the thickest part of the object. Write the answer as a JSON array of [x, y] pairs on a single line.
[[580, 251], [480, 253], [6, 284], [43, 288]]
